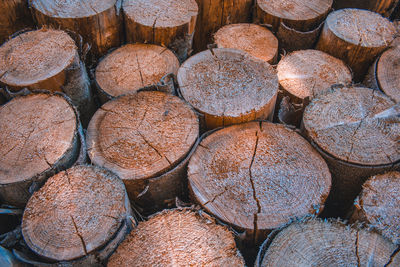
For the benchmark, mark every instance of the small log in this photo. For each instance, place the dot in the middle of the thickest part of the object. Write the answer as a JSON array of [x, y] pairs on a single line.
[[178, 238], [347, 35], [356, 131], [323, 243], [168, 23], [141, 137], [258, 176], [213, 14], [383, 7], [61, 221], [133, 67], [304, 74], [97, 21], [256, 40], [15, 16], [47, 59], [228, 86], [376, 205], [39, 135], [293, 40]]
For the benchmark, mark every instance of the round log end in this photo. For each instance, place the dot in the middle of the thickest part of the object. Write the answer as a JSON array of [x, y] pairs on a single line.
[[387, 73]]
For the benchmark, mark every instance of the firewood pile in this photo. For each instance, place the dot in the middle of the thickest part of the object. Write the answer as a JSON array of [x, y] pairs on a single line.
[[199, 133]]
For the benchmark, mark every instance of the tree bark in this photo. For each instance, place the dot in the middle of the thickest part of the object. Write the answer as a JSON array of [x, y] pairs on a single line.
[[15, 16], [383, 7]]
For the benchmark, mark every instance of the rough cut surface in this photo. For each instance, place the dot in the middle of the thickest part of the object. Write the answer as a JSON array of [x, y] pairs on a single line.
[[62, 220], [178, 238], [134, 66], [258, 176], [356, 125], [319, 243], [36, 131], [388, 73], [256, 40], [141, 135]]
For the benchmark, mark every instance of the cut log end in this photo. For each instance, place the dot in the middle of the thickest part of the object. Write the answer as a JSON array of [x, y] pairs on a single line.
[[387, 73], [178, 237]]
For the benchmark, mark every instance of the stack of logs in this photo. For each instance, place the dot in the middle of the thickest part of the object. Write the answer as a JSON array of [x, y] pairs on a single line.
[[200, 133]]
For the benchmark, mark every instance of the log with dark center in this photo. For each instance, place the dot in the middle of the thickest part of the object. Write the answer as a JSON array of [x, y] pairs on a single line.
[[15, 16]]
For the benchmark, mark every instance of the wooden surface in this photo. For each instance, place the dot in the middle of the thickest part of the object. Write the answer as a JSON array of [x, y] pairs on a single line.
[[257, 176], [228, 86], [256, 40], [357, 37], [292, 40], [387, 73], [62, 220], [132, 67], [383, 7], [178, 238]]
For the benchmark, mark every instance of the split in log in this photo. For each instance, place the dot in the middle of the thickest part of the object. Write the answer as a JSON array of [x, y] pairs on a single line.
[[213, 14], [69, 219], [378, 203], [357, 131], [357, 37], [97, 21], [323, 243], [258, 176], [141, 137], [256, 40], [39, 135], [178, 238], [133, 67], [304, 74], [15, 16], [383, 7], [47, 59], [228, 86], [168, 23]]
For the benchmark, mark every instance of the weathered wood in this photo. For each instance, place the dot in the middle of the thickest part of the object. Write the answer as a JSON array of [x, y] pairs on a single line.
[[256, 40], [61, 221], [383, 7], [133, 67], [47, 59], [140, 137], [168, 23], [213, 14], [228, 86], [258, 176], [322, 243], [97, 21], [178, 238], [356, 131], [39, 136], [293, 40], [357, 37], [304, 74]]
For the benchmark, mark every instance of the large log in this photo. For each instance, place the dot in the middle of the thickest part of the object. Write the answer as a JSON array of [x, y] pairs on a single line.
[[168, 23], [357, 131], [15, 16], [47, 59], [258, 176], [228, 86], [39, 136], [144, 137], [383, 7], [178, 238], [62, 220], [357, 37]]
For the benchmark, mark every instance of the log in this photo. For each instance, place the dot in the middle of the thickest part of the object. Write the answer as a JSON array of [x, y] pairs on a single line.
[[228, 86], [384, 74], [356, 131], [376, 205], [15, 17], [258, 176], [39, 136], [383, 7], [179, 237], [213, 14], [357, 37], [133, 67], [304, 74], [169, 23], [97, 21], [256, 40], [324, 243], [292, 40], [61, 221], [47, 59], [142, 137]]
